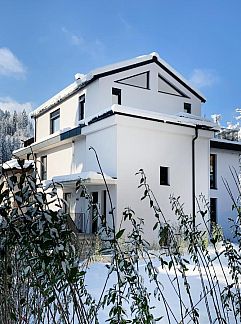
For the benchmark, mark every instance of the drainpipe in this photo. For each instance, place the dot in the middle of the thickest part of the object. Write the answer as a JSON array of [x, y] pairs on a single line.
[[194, 176], [34, 129]]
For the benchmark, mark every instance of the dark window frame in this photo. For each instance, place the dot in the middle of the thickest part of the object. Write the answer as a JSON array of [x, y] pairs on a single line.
[[43, 169], [117, 92], [213, 171], [164, 176], [81, 109], [187, 107], [55, 115]]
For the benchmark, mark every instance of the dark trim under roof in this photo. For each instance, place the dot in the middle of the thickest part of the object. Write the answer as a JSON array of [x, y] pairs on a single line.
[[111, 113], [71, 133], [235, 146]]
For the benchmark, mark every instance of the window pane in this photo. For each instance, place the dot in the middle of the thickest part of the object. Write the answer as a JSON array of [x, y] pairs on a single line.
[[116, 96], [164, 176], [213, 183], [187, 107], [213, 210], [56, 124], [81, 107], [43, 168], [54, 121]]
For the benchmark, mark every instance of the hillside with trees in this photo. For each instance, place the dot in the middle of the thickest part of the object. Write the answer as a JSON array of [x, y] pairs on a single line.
[[14, 129]]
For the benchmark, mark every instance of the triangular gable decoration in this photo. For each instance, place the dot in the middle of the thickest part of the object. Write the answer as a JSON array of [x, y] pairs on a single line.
[[165, 86], [140, 80]]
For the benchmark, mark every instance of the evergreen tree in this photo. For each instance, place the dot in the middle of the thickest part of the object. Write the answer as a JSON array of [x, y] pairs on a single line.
[[14, 129]]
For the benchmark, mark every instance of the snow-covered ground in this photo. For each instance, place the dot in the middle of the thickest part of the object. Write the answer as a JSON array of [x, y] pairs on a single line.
[[97, 273]]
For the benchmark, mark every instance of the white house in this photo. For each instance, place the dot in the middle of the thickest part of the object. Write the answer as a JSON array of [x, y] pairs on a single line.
[[136, 114]]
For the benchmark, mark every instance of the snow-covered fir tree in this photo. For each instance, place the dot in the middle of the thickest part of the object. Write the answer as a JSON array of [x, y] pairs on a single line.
[[14, 129]]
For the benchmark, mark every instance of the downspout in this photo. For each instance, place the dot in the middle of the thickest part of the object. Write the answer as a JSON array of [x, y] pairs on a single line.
[[194, 176], [35, 129]]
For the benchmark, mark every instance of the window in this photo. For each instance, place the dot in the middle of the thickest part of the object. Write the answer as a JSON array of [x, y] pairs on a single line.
[[187, 108], [43, 172], [164, 176], [213, 211], [82, 107], [213, 171], [140, 80], [54, 121], [116, 96]]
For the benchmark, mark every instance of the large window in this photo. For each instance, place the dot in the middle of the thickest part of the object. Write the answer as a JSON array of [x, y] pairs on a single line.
[[116, 96], [54, 121], [164, 176], [82, 107], [213, 171], [43, 170]]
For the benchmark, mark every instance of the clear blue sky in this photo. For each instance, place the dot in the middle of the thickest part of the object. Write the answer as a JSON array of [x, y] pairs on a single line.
[[44, 43]]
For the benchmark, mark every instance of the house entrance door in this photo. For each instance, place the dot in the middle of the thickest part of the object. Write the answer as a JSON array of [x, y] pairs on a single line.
[[94, 214]]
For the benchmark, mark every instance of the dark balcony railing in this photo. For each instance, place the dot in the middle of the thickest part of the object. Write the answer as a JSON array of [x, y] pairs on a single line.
[[76, 222], [28, 142]]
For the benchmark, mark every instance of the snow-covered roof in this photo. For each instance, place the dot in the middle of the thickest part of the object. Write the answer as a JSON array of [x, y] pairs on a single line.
[[89, 177], [180, 118], [225, 144], [14, 164], [84, 79]]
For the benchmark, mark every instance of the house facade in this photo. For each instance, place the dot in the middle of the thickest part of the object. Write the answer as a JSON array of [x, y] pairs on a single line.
[[136, 114], [225, 170]]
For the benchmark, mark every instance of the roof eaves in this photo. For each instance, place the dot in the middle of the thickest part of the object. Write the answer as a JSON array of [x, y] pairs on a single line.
[[225, 144]]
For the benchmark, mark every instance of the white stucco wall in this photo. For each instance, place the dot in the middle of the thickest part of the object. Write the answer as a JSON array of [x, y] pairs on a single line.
[[226, 159], [149, 145], [68, 116], [59, 160], [102, 136]]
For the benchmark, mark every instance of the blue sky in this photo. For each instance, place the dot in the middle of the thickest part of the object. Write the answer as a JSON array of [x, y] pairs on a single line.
[[44, 43]]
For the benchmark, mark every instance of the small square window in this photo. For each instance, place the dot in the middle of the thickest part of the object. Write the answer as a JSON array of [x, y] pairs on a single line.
[[54, 121], [116, 96], [187, 107], [164, 176], [82, 107]]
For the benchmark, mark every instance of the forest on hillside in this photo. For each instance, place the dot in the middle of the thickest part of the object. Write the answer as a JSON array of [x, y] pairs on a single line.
[[14, 129]]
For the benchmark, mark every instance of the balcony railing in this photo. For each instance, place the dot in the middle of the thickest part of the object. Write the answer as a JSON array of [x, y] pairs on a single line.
[[28, 142], [76, 222]]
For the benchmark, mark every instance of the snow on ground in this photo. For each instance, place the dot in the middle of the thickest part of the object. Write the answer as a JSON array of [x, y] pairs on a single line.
[[97, 273]]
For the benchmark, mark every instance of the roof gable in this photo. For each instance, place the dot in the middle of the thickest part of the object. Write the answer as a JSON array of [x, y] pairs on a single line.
[[84, 80]]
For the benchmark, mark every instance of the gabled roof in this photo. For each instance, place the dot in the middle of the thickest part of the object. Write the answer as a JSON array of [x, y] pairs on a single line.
[[86, 79]]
